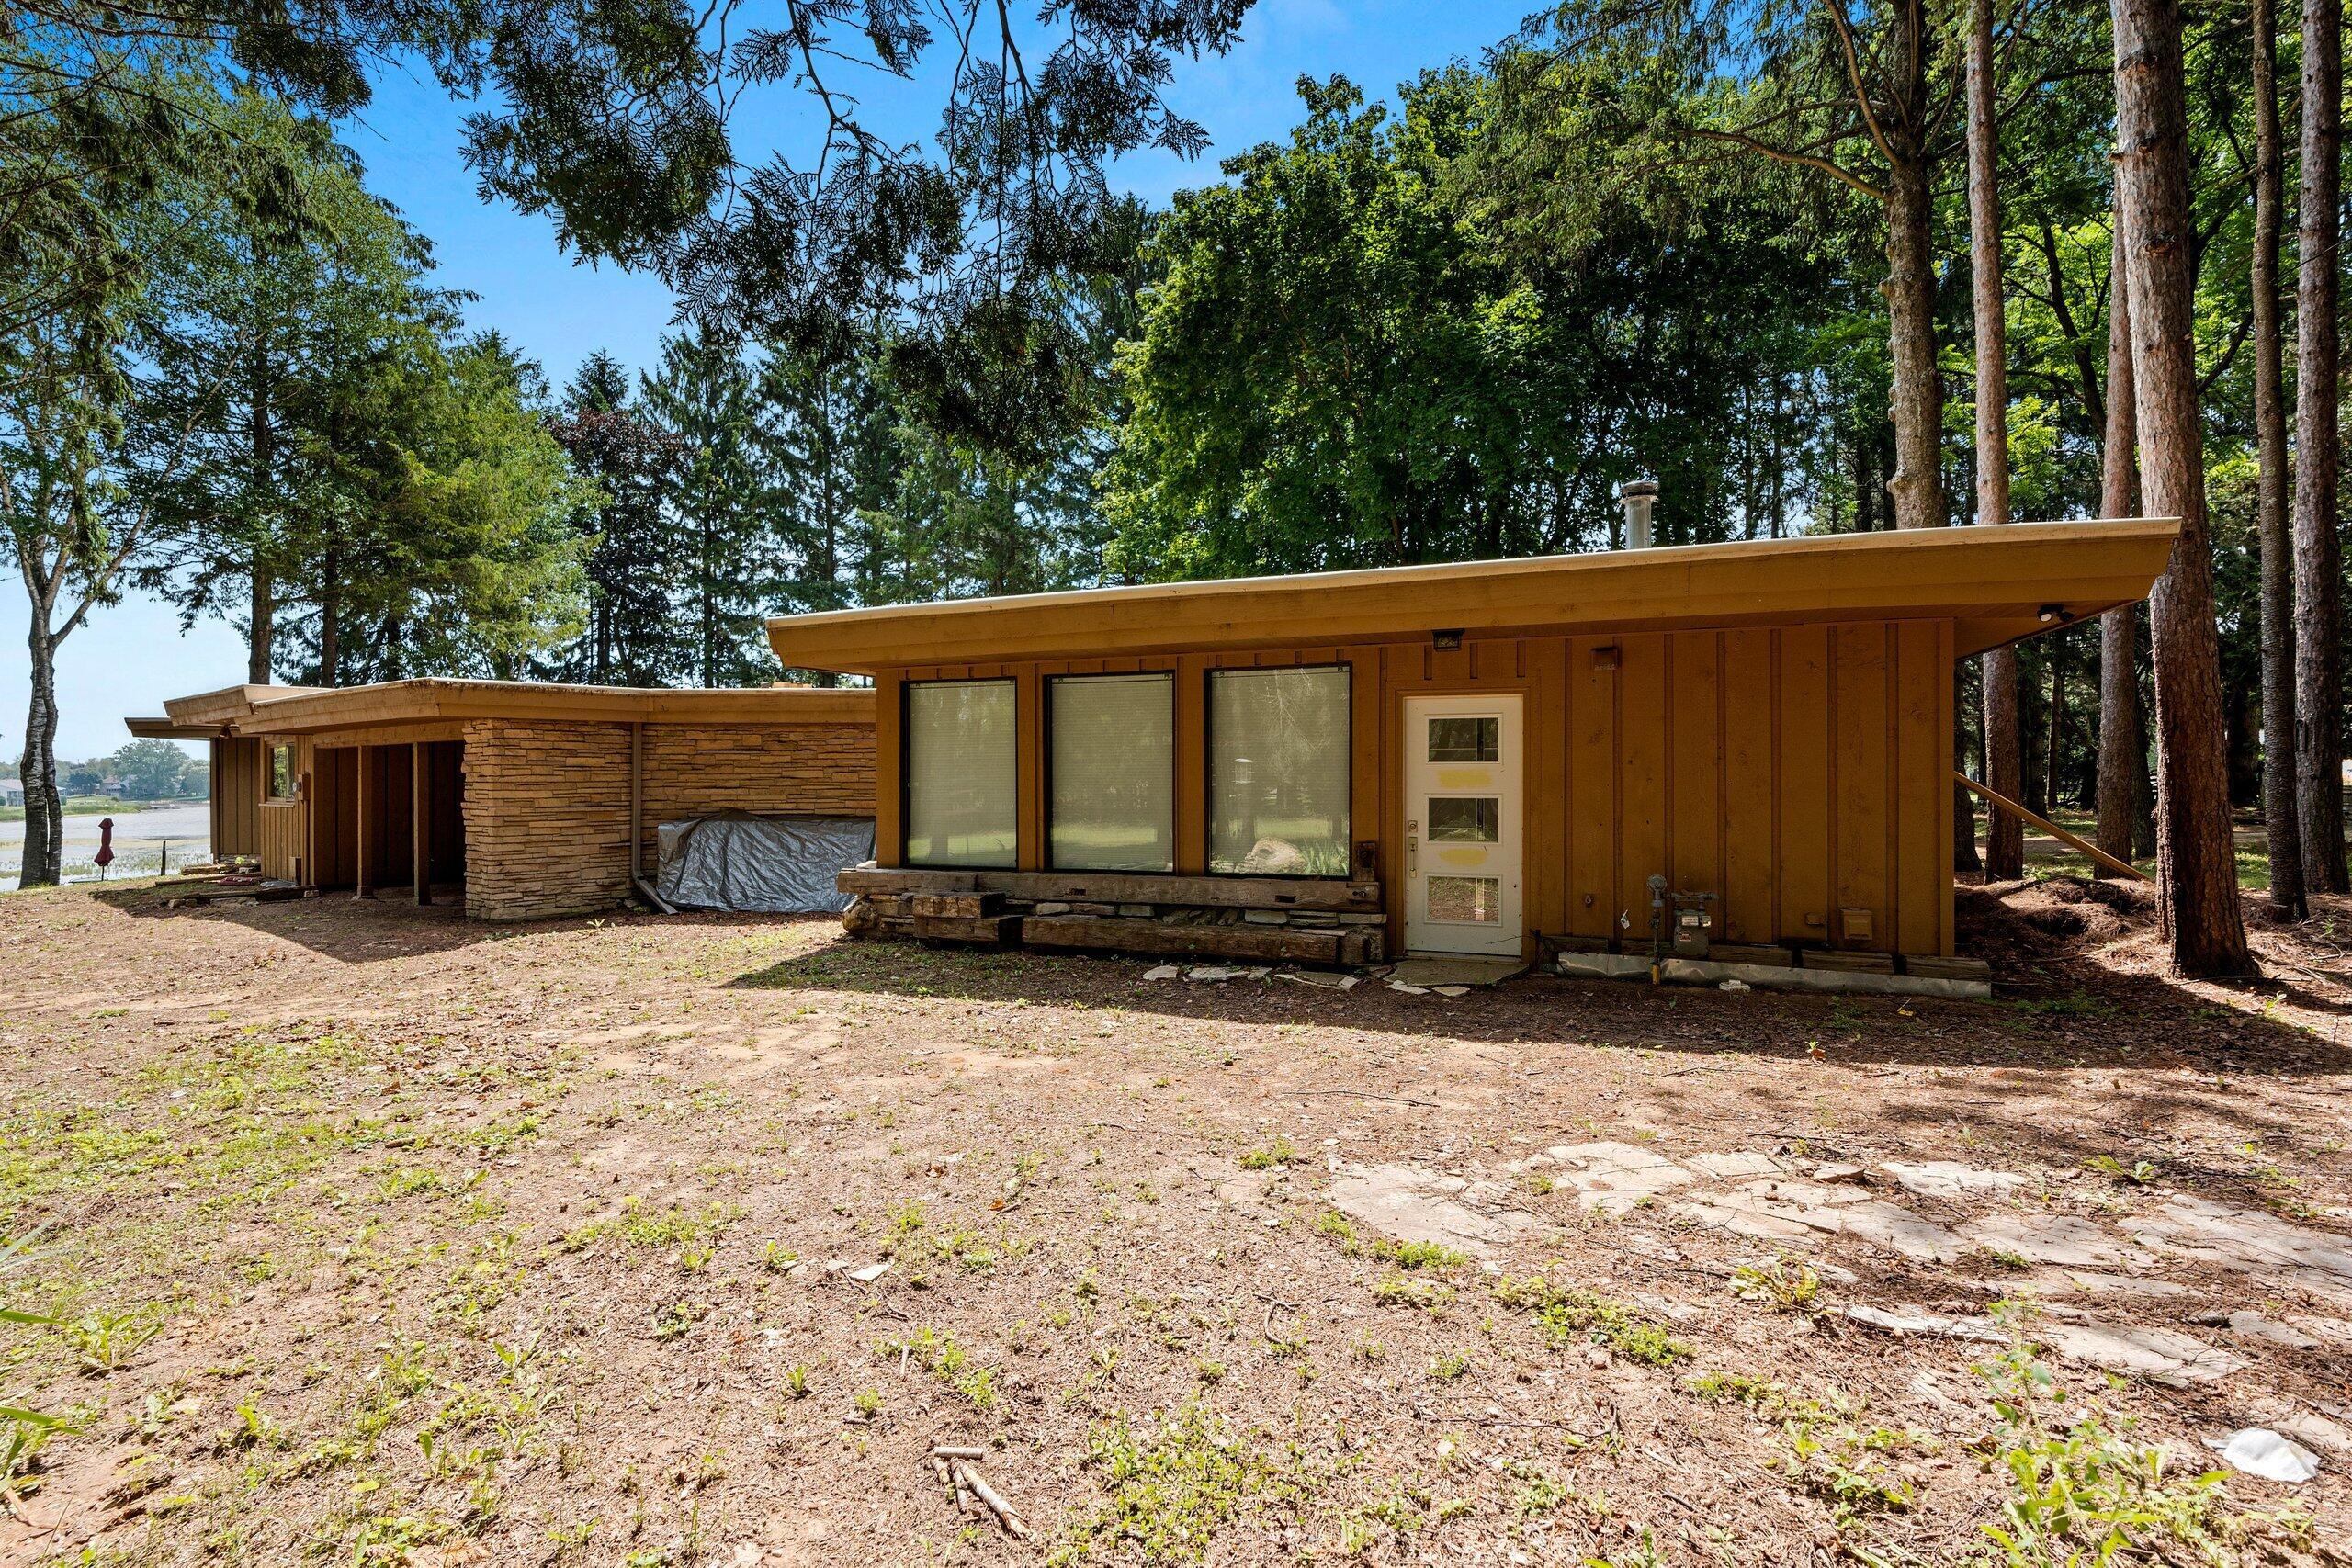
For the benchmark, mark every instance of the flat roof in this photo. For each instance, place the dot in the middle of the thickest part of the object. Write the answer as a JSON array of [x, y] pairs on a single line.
[[1994, 583], [297, 710]]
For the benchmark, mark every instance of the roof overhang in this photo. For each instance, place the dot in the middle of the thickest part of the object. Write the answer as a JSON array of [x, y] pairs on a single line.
[[299, 710], [166, 729], [1997, 584]]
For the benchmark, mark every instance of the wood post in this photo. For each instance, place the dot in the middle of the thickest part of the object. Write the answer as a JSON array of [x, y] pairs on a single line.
[[421, 813], [364, 873]]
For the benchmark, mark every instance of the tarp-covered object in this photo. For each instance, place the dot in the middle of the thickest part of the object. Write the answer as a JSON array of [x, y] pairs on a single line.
[[735, 859]]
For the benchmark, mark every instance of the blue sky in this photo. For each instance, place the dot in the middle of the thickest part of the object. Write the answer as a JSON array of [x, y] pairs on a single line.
[[131, 656]]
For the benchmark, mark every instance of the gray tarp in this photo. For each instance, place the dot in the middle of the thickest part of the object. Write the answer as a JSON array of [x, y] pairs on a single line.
[[734, 860]]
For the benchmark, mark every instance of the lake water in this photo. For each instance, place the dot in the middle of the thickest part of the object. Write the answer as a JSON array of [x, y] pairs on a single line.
[[136, 850]]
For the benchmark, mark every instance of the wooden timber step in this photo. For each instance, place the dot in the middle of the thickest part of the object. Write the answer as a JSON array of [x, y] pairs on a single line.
[[1848, 961], [1273, 944], [1749, 952], [957, 905], [988, 931], [1934, 966]]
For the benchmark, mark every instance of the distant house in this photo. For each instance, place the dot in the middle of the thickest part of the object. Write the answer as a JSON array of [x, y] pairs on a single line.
[[11, 792], [1486, 758]]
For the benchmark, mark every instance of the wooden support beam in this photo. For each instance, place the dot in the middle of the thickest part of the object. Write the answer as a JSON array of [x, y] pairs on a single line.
[[364, 875], [1122, 888], [2004, 803], [421, 814]]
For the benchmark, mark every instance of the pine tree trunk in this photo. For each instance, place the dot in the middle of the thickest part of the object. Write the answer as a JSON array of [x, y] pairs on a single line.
[[2319, 611], [2280, 801], [2197, 868], [1918, 400], [2122, 747], [331, 620], [259, 655], [2005, 835], [37, 767], [2053, 752], [262, 437]]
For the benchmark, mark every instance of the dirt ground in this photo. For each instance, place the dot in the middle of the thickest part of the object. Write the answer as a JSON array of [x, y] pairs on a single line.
[[377, 1237]]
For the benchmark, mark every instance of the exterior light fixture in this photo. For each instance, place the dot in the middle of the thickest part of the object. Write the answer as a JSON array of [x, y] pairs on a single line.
[[1450, 637]]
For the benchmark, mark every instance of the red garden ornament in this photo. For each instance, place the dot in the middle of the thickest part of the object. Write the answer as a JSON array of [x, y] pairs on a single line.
[[105, 857]]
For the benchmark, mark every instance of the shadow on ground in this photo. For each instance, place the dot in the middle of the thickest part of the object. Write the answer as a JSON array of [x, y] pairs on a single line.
[[390, 926], [2057, 1009]]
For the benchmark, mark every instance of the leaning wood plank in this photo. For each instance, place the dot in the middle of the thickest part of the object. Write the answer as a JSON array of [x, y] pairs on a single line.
[[1275, 943], [2056, 832], [1122, 888]]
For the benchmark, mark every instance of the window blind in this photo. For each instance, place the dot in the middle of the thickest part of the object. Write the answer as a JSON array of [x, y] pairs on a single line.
[[1114, 772], [1278, 772], [962, 803]]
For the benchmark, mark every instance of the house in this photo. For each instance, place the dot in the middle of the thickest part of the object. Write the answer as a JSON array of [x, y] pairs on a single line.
[[537, 800], [1491, 758]]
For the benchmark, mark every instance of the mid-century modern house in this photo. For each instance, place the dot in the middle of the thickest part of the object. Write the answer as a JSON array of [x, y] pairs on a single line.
[[1478, 759], [537, 800]]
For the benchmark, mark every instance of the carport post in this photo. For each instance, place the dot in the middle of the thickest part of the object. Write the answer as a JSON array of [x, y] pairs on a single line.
[[421, 828], [365, 887]]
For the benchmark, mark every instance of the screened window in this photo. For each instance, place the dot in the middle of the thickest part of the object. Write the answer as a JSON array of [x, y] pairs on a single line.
[[281, 772], [1278, 772], [962, 802], [1113, 772]]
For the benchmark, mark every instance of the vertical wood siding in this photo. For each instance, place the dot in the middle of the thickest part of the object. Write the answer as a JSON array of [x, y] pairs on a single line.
[[236, 797], [1795, 773]]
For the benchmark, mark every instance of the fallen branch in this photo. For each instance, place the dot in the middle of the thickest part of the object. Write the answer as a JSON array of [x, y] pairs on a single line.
[[995, 1500]]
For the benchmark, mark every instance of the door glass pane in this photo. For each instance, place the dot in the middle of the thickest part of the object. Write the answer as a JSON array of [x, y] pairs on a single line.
[[961, 800], [1468, 821], [1465, 740], [1113, 804], [1470, 901], [1278, 772]]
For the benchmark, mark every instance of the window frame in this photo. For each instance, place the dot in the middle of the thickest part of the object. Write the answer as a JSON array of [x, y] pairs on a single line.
[[906, 750], [1045, 766], [270, 795], [1209, 769]]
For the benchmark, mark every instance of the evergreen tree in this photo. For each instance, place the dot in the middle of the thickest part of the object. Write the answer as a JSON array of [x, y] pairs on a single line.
[[631, 637]]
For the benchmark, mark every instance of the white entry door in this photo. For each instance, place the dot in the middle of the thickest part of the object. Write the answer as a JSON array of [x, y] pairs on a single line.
[[1462, 825]]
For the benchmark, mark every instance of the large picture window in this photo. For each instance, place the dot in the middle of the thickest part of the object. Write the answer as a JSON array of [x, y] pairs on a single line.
[[1113, 805], [1278, 772], [962, 802]]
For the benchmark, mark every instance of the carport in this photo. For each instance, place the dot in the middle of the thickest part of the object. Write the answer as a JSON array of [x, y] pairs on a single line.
[[527, 800]]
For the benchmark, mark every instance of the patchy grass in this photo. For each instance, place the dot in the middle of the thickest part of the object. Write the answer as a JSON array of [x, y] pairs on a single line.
[[372, 1234], [1171, 1488]]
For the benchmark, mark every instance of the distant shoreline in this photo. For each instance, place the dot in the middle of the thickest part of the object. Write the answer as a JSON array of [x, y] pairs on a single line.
[[104, 806]]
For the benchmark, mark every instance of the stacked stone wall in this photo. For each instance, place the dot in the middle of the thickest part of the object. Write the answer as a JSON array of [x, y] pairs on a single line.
[[547, 804]]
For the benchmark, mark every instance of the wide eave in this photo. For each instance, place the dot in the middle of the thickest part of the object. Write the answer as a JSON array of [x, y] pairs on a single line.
[[298, 710], [1997, 584]]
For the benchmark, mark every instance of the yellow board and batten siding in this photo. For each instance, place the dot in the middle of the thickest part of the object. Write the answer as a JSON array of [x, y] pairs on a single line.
[[1794, 772]]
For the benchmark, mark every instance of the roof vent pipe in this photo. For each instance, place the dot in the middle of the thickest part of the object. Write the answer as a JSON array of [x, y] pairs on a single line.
[[1638, 497]]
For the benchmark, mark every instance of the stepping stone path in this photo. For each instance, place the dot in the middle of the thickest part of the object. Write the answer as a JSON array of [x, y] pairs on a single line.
[[1414, 1204], [1763, 1196]]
